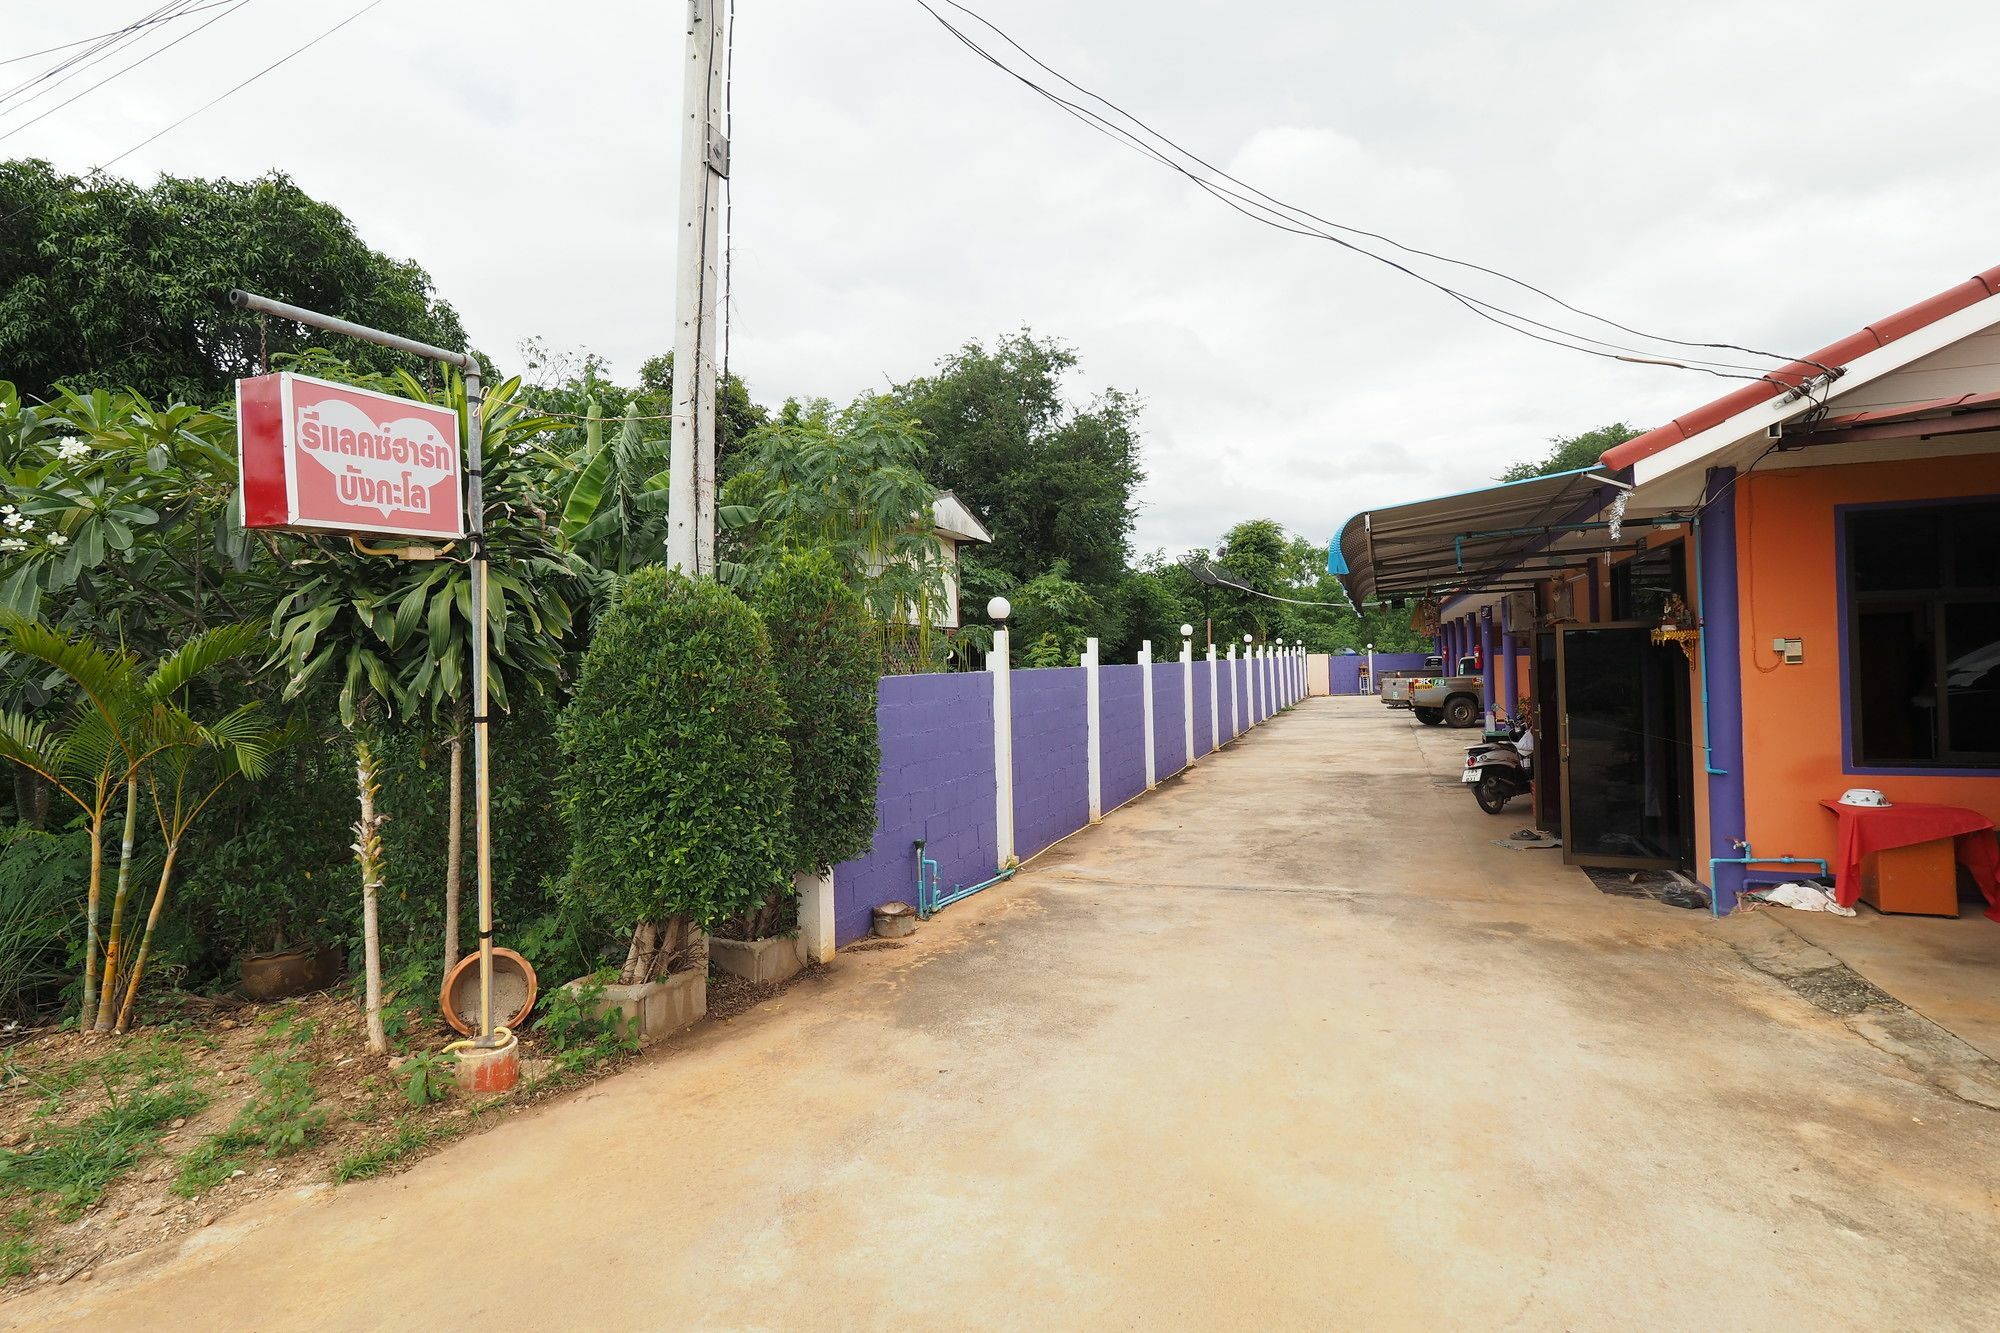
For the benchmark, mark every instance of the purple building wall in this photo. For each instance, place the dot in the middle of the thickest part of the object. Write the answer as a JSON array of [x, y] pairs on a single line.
[[1169, 734], [1204, 725], [1051, 756], [1344, 672], [935, 783], [1121, 712]]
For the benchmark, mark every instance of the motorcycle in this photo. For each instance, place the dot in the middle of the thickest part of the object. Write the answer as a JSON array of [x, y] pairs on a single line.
[[1498, 771]]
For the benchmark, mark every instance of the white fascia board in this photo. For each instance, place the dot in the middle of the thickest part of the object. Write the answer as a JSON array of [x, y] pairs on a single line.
[[1869, 366]]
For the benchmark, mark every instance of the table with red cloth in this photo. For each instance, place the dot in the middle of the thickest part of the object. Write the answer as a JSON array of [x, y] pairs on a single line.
[[1875, 828]]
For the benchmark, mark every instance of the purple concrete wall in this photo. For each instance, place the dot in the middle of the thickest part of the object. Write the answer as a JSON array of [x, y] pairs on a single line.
[[935, 783], [1344, 673], [1224, 692], [1169, 736], [1051, 756], [1204, 725], [1121, 712]]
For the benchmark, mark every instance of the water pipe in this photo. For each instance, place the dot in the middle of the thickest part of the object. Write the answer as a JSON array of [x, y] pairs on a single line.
[[930, 901], [1701, 626], [1748, 860]]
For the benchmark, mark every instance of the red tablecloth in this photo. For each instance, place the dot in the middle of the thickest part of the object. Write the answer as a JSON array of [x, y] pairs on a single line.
[[1865, 829]]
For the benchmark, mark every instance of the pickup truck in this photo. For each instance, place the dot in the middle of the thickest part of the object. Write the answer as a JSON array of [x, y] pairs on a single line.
[[1458, 700], [1394, 686]]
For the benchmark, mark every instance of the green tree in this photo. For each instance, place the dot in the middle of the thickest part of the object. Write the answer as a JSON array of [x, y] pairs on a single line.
[[1567, 453], [678, 782], [828, 667], [104, 283], [1054, 482]]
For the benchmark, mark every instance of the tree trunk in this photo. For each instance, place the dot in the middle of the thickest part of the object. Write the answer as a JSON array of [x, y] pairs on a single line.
[[107, 1004], [146, 941], [454, 853], [368, 855], [89, 1010]]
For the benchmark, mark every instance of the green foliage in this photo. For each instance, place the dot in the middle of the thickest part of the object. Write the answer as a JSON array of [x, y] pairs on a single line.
[[678, 787], [70, 1166], [1054, 482], [411, 1136], [107, 283], [280, 1119], [1054, 615], [39, 873], [17, 1247], [846, 483], [428, 1077], [828, 666], [1567, 453], [580, 1030]]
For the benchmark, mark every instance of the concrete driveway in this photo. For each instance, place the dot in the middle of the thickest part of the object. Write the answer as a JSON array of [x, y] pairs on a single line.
[[1286, 1044]]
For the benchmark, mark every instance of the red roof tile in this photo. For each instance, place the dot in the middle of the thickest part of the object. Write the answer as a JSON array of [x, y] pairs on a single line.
[[1879, 334]]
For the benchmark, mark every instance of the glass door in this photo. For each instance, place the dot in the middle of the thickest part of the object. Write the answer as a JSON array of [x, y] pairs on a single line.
[[1627, 784]]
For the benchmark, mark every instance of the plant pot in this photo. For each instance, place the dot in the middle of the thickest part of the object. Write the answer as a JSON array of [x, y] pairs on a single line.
[[289, 972], [775, 958], [514, 990], [660, 1008]]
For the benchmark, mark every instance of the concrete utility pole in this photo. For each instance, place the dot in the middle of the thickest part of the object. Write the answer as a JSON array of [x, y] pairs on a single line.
[[697, 296]]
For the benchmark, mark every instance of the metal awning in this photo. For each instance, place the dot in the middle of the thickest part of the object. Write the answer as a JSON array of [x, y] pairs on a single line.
[[1508, 534]]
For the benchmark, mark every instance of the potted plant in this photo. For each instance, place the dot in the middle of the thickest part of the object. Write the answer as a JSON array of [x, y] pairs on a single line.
[[677, 786], [829, 666]]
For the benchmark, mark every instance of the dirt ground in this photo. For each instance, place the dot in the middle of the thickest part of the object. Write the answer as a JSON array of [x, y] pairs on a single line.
[[1288, 1043]]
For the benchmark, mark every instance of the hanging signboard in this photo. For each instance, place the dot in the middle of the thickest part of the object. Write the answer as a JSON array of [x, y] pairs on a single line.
[[322, 456]]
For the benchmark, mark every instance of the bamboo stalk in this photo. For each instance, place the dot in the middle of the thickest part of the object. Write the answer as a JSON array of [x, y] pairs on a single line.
[[146, 940]]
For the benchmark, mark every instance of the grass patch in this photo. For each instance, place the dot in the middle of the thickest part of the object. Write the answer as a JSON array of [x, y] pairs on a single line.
[[410, 1137], [279, 1120], [140, 1062], [17, 1250], [70, 1166]]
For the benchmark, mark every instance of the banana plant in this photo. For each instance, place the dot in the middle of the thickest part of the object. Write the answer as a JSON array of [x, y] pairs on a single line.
[[615, 511]]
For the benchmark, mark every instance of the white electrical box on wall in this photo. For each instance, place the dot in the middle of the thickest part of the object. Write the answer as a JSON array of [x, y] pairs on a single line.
[[1793, 651]]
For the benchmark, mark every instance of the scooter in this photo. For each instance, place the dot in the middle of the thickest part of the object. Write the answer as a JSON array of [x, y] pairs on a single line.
[[1498, 771]]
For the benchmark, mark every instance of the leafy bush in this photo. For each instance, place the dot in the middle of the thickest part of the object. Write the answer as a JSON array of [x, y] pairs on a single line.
[[828, 666], [39, 906], [678, 784], [581, 1031], [428, 1077]]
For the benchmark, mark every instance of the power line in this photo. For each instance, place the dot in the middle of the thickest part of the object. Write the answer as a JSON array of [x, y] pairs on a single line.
[[1267, 209], [231, 92], [127, 69], [100, 49], [142, 23]]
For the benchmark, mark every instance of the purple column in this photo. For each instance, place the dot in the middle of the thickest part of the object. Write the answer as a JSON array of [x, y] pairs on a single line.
[[1489, 669], [1722, 681], [1509, 688]]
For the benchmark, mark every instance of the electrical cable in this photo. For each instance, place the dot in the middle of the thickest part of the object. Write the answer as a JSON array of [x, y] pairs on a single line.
[[1265, 208], [1204, 573], [232, 91], [123, 70], [142, 23], [100, 49]]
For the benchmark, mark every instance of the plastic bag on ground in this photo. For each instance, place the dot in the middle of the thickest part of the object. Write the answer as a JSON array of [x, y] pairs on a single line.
[[1804, 897]]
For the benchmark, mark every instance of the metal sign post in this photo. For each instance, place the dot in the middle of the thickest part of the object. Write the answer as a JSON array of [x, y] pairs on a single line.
[[475, 504]]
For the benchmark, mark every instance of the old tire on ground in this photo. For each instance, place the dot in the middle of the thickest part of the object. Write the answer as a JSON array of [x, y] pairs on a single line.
[[1491, 793], [1430, 717], [1461, 710]]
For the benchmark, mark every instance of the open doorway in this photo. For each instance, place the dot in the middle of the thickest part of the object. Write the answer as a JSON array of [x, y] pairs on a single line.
[[1626, 748]]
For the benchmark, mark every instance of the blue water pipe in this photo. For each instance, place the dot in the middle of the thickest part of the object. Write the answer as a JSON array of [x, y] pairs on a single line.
[[1749, 860], [930, 900]]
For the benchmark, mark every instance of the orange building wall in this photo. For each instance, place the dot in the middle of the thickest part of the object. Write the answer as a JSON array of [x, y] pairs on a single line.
[[1792, 715]]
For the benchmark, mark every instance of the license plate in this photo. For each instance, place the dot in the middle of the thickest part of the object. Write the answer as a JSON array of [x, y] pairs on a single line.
[[1469, 775]]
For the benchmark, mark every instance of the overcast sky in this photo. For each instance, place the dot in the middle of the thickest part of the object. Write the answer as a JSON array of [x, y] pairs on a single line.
[[1726, 171]]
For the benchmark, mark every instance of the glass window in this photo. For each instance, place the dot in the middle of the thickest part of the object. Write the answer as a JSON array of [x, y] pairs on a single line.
[[1923, 634]]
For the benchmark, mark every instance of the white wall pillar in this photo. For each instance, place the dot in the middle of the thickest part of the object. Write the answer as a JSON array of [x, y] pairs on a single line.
[[1187, 697], [1095, 724], [1003, 746], [815, 915], [1146, 693], [1214, 718], [1256, 669]]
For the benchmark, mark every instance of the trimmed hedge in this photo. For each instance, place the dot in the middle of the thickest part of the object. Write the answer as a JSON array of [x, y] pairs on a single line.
[[829, 664], [678, 781]]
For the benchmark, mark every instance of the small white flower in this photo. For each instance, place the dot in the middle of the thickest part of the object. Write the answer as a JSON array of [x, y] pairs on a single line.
[[12, 544], [18, 521], [72, 447], [57, 539]]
